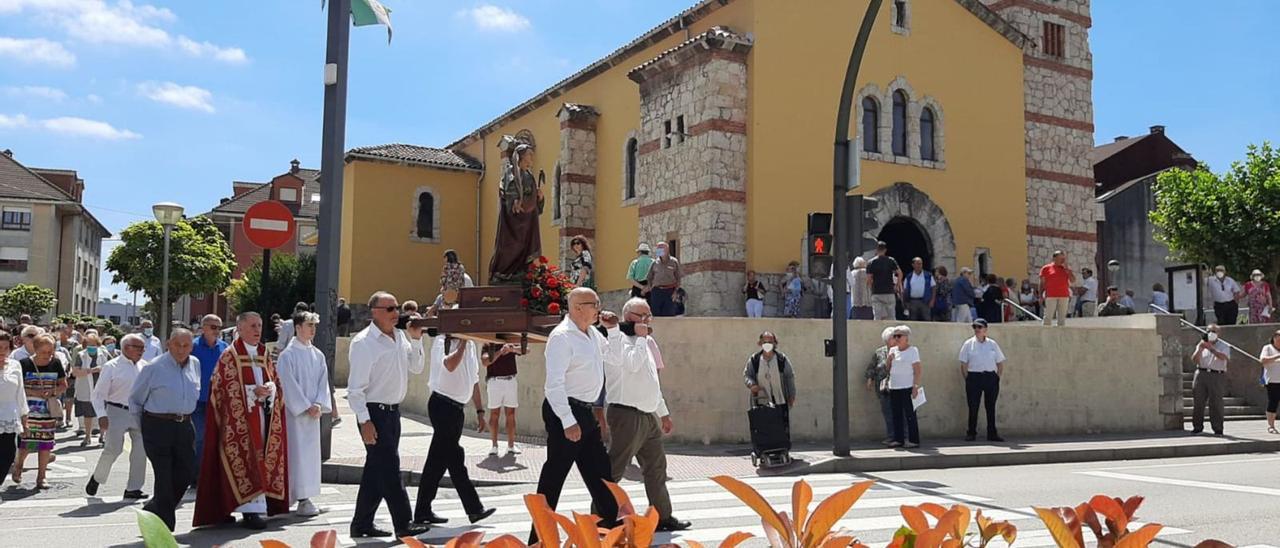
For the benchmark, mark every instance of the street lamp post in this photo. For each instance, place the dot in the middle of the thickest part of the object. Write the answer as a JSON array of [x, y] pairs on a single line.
[[168, 214], [844, 153]]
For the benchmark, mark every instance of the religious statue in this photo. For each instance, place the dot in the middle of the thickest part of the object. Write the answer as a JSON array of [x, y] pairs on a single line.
[[520, 203]]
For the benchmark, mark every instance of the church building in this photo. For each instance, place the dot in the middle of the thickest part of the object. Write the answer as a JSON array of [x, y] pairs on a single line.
[[713, 132]]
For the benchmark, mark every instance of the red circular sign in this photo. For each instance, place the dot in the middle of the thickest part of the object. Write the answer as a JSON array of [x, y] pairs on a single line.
[[269, 224]]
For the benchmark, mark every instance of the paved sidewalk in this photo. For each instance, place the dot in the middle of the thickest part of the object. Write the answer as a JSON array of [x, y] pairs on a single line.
[[700, 462]]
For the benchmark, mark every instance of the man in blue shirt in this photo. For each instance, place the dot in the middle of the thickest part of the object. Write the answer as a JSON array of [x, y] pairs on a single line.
[[962, 297], [163, 398], [208, 349]]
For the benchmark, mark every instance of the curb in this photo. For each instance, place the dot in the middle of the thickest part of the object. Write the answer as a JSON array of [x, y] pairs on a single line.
[[349, 474], [832, 465]]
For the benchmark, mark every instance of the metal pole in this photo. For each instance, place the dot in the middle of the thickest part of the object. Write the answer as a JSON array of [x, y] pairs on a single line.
[[265, 288], [328, 250], [164, 289], [840, 189]]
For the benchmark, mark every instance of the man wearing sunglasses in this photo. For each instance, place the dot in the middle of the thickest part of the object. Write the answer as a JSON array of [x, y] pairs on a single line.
[[981, 365], [382, 357], [575, 376]]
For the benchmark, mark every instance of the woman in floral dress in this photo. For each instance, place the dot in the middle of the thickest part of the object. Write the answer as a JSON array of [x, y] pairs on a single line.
[[45, 379], [1258, 295]]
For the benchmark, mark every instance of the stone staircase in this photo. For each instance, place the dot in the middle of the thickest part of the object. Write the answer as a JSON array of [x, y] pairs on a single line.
[[1236, 408]]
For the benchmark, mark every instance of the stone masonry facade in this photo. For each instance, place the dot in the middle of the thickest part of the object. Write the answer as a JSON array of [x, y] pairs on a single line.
[[692, 164], [1059, 121], [576, 186]]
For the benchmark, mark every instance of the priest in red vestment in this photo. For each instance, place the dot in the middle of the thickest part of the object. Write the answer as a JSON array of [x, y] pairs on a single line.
[[245, 463]]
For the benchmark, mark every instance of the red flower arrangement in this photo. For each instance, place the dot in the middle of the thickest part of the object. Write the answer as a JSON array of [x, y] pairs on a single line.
[[546, 288]]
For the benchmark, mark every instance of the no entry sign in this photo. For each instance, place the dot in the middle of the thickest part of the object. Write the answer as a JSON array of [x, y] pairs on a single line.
[[269, 224]]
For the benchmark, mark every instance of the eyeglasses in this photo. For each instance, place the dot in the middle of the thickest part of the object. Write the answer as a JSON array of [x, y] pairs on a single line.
[[592, 304], [213, 326], [135, 346], [897, 336], [639, 318], [390, 308]]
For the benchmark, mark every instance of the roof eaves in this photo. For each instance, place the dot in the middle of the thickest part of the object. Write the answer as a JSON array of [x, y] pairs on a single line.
[[1125, 185], [993, 19], [353, 155]]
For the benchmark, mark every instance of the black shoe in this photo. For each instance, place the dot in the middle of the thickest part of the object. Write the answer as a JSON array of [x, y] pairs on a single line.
[[1197, 431], [970, 437], [431, 519], [371, 532], [92, 487], [670, 523], [481, 515], [135, 495], [254, 521], [995, 438], [412, 531]]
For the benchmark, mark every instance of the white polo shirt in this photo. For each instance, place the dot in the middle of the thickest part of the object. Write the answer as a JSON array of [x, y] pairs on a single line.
[[458, 384], [981, 357]]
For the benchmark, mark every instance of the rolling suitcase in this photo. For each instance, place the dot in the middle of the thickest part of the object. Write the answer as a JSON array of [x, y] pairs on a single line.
[[770, 435]]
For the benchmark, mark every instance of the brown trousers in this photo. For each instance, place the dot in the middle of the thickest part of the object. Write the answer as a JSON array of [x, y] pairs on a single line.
[[634, 433]]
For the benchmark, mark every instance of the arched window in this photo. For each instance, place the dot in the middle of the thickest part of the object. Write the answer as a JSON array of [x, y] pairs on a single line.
[[928, 149], [555, 210], [870, 125], [633, 148], [899, 123], [426, 216]]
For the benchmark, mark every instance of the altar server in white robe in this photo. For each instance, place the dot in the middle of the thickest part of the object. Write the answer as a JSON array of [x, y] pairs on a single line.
[[304, 377]]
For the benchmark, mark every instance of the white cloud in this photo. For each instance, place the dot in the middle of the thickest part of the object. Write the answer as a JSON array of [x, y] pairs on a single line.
[[81, 127], [38, 92], [234, 56], [122, 23], [36, 51], [188, 97], [69, 125], [491, 17], [93, 98]]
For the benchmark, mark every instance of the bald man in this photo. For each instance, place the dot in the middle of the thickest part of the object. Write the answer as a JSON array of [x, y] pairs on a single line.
[[163, 398], [575, 376]]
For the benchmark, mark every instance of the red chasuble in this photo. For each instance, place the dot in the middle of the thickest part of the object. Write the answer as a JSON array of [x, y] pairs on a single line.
[[243, 458]]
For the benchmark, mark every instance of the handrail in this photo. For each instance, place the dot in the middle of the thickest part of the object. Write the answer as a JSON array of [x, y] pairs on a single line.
[[1202, 331], [1025, 311]]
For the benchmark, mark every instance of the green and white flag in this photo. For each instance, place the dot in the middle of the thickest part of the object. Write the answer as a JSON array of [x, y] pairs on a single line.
[[369, 12]]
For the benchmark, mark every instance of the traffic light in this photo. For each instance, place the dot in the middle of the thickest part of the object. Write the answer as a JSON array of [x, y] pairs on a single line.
[[818, 252], [862, 221]]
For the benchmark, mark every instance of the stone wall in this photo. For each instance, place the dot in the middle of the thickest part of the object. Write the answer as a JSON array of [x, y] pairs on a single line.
[[577, 176], [1059, 121], [693, 161]]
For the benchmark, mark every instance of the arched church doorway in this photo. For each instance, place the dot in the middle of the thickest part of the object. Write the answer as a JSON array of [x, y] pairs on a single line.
[[906, 241]]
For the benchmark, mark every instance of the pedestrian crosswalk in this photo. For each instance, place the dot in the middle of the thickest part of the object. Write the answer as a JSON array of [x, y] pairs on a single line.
[[715, 513]]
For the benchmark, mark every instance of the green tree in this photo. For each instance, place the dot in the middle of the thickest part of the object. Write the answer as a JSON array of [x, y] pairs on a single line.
[[26, 299], [293, 280], [200, 261], [104, 326], [1232, 219]]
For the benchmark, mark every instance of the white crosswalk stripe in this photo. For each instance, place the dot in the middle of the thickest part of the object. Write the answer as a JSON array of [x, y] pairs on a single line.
[[716, 514]]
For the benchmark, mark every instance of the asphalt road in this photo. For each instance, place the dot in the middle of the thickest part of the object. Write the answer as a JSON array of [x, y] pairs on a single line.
[[1235, 499]]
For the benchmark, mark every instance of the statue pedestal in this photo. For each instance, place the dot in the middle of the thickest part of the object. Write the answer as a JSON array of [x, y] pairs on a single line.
[[492, 314]]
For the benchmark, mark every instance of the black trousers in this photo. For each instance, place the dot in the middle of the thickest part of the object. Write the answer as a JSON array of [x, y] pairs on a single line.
[[1226, 313], [8, 449], [171, 448], [588, 453], [984, 387], [904, 416], [447, 420], [380, 479]]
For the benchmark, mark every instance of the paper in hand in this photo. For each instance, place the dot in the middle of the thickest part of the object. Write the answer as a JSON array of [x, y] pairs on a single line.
[[919, 400]]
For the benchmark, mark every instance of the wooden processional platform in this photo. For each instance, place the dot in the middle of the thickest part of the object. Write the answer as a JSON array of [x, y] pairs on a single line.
[[492, 314]]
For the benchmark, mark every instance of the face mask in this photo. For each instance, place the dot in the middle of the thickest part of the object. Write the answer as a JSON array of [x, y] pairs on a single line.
[[1221, 275], [767, 347], [111, 347], [1257, 278], [627, 328], [148, 331], [92, 350], [662, 253], [1212, 337]]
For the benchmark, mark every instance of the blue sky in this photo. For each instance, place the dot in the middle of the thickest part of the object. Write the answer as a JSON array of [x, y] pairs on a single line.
[[170, 101]]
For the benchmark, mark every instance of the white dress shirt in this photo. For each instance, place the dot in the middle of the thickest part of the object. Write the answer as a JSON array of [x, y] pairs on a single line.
[[981, 357], [154, 349], [458, 384], [13, 396], [1090, 289], [631, 376], [575, 368], [115, 383], [380, 367], [1206, 360], [1222, 290]]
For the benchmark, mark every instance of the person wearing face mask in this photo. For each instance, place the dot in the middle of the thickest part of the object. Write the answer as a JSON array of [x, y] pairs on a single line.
[[1225, 292], [664, 280], [768, 374], [86, 370], [1258, 296], [1210, 382], [154, 348]]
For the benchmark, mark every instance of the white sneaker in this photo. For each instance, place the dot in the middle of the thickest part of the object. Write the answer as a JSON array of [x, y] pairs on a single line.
[[307, 509], [494, 451], [513, 450]]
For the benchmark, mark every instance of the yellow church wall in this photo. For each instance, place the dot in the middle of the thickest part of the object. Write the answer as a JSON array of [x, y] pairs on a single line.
[[379, 252], [973, 72], [617, 98]]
